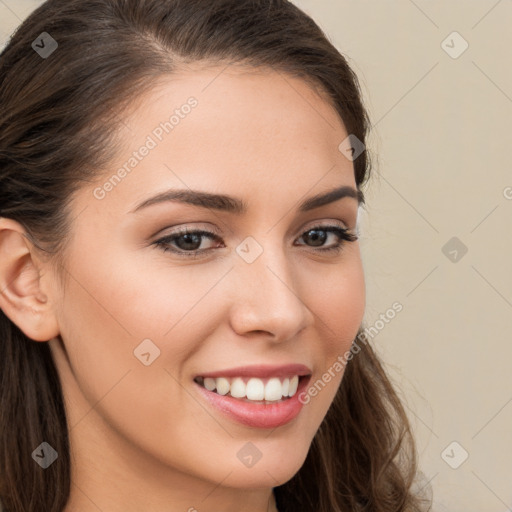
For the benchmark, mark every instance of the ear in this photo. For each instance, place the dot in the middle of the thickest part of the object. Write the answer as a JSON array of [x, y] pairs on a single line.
[[23, 294]]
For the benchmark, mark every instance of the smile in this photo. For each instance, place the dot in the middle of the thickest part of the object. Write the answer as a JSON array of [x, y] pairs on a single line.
[[252, 389], [267, 402]]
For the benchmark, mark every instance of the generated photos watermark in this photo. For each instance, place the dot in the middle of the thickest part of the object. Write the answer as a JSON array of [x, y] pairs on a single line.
[[152, 140], [342, 360]]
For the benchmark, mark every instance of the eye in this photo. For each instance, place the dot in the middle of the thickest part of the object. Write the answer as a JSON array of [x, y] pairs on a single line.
[[317, 235], [188, 244]]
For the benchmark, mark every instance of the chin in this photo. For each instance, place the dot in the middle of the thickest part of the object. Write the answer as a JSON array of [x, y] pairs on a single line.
[[262, 479], [269, 471]]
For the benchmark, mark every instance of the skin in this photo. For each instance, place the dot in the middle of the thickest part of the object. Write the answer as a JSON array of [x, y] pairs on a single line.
[[142, 438]]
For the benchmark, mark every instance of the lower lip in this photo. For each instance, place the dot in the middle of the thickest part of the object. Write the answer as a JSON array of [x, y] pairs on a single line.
[[254, 414]]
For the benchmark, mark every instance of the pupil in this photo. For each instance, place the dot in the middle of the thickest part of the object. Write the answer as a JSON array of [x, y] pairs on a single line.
[[196, 241], [316, 237]]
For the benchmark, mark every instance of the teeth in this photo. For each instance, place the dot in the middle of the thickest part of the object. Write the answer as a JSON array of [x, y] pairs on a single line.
[[255, 389], [238, 388], [222, 385], [293, 386], [273, 390], [209, 384], [286, 386]]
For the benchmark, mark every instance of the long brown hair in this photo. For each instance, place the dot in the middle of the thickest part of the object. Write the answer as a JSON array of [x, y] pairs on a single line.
[[59, 112]]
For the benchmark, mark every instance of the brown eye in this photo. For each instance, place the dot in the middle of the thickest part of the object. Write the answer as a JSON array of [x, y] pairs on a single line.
[[186, 243], [190, 241], [315, 236]]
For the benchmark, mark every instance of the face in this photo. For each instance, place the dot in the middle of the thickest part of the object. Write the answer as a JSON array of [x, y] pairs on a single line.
[[148, 309]]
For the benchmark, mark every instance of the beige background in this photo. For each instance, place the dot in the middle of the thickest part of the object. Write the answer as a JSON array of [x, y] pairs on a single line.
[[442, 131]]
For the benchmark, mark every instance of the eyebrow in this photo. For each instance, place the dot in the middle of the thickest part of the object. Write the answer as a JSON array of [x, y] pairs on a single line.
[[237, 206]]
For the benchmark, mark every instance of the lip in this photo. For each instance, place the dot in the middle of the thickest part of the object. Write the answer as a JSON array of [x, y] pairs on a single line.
[[261, 371], [257, 415]]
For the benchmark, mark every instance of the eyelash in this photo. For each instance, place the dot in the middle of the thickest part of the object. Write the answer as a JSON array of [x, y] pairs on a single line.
[[343, 234]]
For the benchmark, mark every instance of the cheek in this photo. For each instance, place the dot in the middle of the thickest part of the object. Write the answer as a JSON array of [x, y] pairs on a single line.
[[340, 305], [135, 298], [102, 327], [162, 297], [111, 306]]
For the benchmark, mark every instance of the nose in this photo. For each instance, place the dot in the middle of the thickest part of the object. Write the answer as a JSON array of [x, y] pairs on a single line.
[[268, 297]]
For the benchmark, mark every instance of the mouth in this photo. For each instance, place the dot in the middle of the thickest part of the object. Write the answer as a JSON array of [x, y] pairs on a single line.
[[256, 390], [257, 396]]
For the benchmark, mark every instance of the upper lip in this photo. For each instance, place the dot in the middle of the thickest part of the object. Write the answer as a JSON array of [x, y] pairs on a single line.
[[261, 371]]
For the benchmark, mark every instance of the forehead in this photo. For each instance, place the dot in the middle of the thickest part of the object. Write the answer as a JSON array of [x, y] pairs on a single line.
[[230, 129]]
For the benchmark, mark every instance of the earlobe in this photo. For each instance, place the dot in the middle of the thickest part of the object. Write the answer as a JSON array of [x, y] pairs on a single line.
[[22, 295]]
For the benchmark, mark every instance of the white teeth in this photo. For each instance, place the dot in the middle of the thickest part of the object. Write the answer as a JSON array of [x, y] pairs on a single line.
[[222, 385], [286, 386], [273, 389], [255, 389], [238, 388], [294, 382], [209, 384]]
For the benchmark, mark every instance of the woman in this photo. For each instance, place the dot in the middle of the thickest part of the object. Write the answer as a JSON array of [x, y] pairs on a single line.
[[182, 287]]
